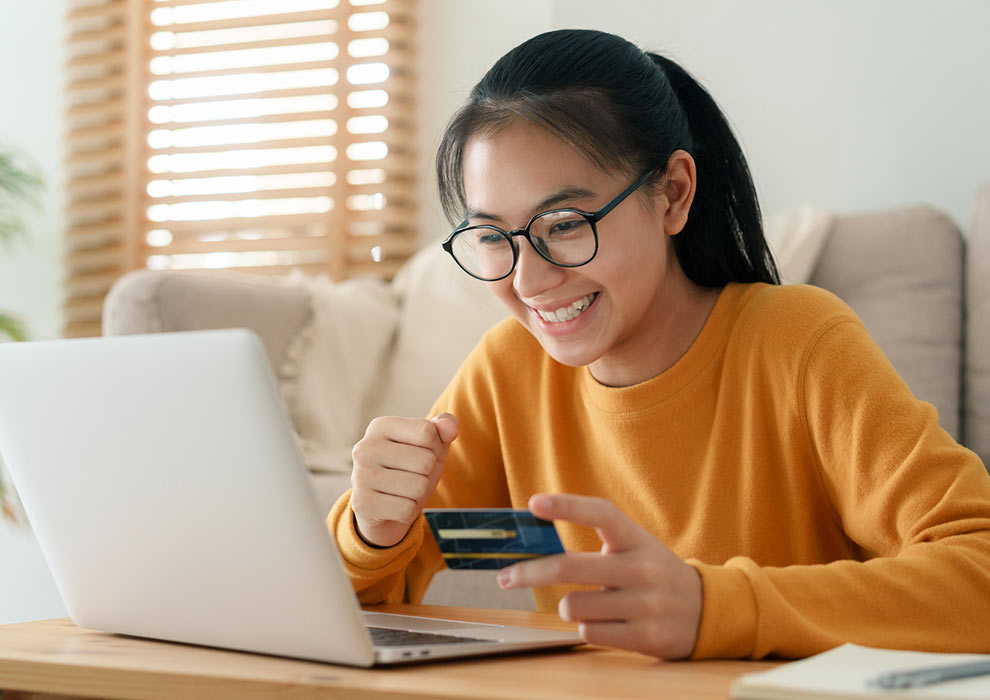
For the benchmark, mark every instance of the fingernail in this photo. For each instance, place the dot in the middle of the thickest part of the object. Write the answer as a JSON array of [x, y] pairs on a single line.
[[539, 502], [504, 578]]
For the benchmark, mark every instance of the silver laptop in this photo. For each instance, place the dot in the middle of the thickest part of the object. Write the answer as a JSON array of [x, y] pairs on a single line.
[[166, 487]]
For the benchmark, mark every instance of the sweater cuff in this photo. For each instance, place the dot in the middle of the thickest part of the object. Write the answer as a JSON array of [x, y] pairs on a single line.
[[360, 558], [729, 613]]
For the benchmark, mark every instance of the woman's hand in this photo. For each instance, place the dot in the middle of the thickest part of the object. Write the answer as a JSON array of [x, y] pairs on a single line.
[[650, 600], [396, 468]]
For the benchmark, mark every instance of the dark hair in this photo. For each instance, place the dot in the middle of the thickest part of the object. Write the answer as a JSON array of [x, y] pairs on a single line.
[[626, 110]]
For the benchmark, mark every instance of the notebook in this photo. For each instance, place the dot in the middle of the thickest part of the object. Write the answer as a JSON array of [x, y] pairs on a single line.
[[846, 672], [167, 490]]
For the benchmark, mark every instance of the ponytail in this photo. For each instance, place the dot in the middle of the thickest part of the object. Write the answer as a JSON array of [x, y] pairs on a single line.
[[725, 202], [625, 110]]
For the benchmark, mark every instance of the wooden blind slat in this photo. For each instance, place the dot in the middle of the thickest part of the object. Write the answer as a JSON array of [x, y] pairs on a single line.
[[75, 329], [188, 246], [110, 82], [243, 45], [287, 169], [111, 58], [102, 258], [105, 132], [106, 207], [396, 111], [241, 70], [92, 235], [114, 34], [96, 155], [87, 185], [236, 121], [287, 92], [113, 105], [87, 284], [113, 9], [252, 145], [181, 3], [238, 22], [240, 196], [398, 192], [236, 223]]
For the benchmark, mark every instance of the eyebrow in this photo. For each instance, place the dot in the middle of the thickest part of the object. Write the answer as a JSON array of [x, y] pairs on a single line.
[[564, 195]]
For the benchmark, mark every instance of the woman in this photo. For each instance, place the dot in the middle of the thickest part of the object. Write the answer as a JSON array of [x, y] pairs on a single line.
[[734, 467]]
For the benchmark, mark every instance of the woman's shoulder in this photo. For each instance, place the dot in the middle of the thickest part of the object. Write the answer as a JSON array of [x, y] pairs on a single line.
[[801, 304], [787, 316]]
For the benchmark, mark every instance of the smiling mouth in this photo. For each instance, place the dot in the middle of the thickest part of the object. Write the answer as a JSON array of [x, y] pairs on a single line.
[[567, 313]]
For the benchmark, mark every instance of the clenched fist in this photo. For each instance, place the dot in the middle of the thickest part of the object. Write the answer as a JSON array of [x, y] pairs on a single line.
[[397, 465]]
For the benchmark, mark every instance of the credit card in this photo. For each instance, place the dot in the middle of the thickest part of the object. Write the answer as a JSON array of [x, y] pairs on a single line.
[[479, 538]]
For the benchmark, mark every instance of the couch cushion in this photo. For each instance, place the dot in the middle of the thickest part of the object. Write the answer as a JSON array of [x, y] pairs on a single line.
[[976, 433], [333, 362], [161, 301], [901, 272], [796, 239]]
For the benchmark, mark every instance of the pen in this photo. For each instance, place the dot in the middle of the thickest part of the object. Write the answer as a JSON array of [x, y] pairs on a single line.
[[929, 675]]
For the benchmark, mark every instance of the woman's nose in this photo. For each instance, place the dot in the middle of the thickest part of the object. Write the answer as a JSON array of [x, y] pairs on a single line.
[[534, 274]]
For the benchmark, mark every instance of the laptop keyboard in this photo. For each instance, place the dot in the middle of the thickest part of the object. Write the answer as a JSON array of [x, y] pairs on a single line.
[[386, 637]]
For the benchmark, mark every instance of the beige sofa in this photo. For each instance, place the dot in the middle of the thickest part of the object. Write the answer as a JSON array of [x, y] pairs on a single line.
[[348, 352]]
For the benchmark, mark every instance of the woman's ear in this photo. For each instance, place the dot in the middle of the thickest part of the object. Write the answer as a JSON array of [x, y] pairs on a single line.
[[682, 181]]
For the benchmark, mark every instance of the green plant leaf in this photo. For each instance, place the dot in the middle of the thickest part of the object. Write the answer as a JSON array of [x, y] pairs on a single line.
[[19, 182], [12, 328], [18, 188]]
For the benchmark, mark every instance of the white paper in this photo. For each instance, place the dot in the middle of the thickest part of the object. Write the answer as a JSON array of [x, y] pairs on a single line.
[[845, 671]]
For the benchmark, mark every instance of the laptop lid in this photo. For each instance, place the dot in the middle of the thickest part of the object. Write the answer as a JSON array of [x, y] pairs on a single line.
[[168, 493]]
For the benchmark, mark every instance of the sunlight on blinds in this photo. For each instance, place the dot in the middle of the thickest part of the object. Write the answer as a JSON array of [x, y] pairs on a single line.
[[273, 137]]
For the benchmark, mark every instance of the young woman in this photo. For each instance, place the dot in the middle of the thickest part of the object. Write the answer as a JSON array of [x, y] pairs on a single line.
[[734, 467]]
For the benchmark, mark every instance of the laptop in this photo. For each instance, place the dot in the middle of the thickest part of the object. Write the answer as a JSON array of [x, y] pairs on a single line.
[[166, 487]]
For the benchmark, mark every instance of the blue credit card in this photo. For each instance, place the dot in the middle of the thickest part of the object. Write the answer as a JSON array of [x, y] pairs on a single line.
[[480, 538]]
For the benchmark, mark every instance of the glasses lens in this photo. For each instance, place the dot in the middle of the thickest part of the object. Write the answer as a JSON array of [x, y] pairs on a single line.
[[483, 251], [565, 237]]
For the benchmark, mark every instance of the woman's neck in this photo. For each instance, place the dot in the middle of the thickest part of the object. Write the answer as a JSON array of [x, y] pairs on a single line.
[[683, 317]]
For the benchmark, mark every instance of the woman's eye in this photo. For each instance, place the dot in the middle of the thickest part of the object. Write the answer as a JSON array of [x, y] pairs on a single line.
[[490, 239], [564, 226]]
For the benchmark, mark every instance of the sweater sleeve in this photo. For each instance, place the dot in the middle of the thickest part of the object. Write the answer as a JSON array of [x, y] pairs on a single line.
[[915, 503], [473, 476]]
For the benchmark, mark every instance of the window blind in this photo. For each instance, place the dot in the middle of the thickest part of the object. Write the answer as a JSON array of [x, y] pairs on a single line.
[[238, 134]]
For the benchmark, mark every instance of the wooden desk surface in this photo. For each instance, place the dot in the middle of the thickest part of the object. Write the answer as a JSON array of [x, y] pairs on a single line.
[[54, 658]]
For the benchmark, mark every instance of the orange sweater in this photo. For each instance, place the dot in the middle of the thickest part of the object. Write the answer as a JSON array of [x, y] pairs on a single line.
[[782, 456]]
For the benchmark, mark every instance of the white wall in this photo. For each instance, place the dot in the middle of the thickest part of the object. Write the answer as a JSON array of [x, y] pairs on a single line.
[[458, 41], [847, 104], [31, 84], [31, 58]]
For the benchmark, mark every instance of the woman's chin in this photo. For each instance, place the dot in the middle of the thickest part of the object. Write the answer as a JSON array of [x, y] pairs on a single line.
[[571, 354]]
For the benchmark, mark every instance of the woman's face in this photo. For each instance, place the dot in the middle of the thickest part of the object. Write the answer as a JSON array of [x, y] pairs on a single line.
[[619, 312]]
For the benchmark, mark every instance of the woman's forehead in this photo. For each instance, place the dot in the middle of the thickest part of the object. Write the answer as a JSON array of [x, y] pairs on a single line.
[[518, 167]]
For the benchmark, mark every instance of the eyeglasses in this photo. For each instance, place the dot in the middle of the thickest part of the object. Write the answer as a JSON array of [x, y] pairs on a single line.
[[564, 237]]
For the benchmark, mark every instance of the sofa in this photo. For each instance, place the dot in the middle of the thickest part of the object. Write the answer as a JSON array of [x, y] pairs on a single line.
[[345, 353]]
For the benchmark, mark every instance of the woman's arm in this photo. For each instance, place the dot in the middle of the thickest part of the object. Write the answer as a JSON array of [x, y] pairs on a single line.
[[913, 500], [386, 547], [915, 503]]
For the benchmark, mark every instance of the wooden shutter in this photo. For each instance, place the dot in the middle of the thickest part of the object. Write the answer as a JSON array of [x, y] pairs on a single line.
[[104, 131], [250, 134]]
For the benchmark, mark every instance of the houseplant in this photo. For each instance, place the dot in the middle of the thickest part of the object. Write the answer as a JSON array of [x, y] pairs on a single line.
[[18, 187]]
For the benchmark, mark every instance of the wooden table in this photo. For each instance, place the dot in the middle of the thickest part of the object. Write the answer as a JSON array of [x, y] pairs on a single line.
[[55, 659]]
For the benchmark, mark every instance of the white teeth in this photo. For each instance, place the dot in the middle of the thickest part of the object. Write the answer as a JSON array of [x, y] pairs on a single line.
[[567, 313]]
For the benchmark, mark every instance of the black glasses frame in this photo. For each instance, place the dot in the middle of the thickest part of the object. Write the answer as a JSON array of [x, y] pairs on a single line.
[[592, 217]]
